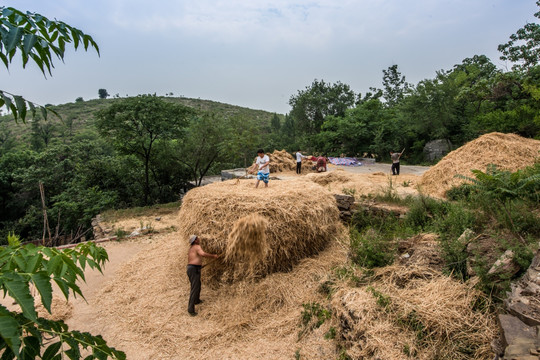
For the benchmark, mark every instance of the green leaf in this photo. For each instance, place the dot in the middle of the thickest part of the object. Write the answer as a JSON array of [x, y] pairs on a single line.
[[20, 261], [54, 264], [34, 263], [31, 348], [73, 353], [17, 287], [13, 38], [69, 262], [10, 332], [21, 106], [43, 112], [51, 351], [8, 353], [4, 60], [63, 286], [29, 41], [32, 108], [43, 285]]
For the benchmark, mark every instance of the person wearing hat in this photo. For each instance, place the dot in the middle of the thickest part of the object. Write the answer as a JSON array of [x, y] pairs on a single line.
[[195, 255]]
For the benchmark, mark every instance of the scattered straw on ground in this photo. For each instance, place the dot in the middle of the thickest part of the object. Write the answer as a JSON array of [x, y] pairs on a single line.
[[147, 304], [302, 219], [507, 151], [61, 309], [340, 181], [413, 312]]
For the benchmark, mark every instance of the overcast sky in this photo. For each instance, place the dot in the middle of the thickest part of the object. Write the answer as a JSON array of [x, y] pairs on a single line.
[[259, 53]]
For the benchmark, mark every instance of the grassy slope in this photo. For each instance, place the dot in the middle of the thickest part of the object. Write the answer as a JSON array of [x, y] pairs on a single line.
[[82, 114]]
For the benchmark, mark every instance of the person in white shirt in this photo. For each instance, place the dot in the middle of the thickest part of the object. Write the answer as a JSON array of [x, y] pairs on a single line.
[[263, 161], [299, 157]]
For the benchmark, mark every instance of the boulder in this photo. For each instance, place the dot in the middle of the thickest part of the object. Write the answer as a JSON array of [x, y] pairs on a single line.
[[437, 149]]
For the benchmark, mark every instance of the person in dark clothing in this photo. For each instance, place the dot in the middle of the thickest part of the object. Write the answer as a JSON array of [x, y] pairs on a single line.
[[195, 255], [395, 161]]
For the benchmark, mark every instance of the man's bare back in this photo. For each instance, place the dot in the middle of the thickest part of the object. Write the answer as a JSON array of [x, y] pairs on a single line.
[[196, 253]]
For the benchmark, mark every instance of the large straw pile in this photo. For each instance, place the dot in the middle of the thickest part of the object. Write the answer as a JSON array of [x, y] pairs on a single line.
[[413, 312], [247, 240], [281, 161], [302, 218], [507, 151]]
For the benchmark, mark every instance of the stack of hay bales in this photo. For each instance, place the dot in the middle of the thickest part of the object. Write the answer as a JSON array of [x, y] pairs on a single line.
[[413, 312], [507, 151], [297, 218]]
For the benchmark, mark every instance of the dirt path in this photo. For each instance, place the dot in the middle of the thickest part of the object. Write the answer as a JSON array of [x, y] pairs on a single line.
[[385, 168], [120, 252]]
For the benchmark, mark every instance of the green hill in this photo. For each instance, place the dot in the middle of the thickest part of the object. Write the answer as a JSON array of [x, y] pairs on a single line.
[[77, 117]]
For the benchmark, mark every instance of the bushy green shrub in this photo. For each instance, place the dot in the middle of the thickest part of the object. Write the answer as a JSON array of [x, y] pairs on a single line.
[[371, 249], [423, 210], [453, 221]]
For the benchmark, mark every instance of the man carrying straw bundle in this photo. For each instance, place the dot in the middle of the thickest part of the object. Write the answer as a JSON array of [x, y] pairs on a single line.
[[195, 255], [263, 161]]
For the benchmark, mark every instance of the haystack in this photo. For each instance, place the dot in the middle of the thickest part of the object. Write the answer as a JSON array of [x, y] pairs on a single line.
[[326, 178], [281, 160], [413, 312], [302, 218], [507, 151], [247, 240]]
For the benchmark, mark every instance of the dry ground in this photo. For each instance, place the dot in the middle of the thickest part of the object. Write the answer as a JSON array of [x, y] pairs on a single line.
[[132, 319]]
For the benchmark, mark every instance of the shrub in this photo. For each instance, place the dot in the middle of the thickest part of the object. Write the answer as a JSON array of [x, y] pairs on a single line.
[[370, 249], [423, 210], [453, 221]]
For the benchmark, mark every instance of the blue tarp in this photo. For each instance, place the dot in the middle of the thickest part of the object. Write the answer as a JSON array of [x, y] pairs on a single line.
[[347, 161]]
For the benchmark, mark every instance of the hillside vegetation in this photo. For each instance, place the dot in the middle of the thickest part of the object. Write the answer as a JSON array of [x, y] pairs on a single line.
[[79, 116]]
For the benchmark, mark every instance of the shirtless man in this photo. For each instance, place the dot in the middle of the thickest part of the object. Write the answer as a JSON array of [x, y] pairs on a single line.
[[195, 255]]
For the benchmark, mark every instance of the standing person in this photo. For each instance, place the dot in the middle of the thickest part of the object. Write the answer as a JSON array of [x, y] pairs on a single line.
[[299, 157], [263, 161], [195, 255], [395, 161]]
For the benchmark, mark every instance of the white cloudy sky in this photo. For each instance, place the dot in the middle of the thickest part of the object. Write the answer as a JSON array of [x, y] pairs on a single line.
[[258, 53]]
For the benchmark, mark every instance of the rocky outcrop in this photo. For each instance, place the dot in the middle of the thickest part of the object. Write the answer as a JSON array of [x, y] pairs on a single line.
[[437, 149], [521, 326], [345, 205]]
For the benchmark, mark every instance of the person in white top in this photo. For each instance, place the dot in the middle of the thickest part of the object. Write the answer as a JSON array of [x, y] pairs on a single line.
[[299, 157], [263, 161]]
